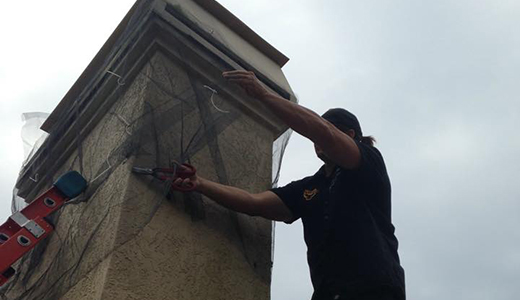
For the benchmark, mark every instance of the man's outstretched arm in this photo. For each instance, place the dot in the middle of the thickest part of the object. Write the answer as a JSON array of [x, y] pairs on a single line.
[[338, 146], [266, 204]]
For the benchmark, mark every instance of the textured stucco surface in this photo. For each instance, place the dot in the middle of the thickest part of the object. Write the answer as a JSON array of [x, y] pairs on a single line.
[[130, 239]]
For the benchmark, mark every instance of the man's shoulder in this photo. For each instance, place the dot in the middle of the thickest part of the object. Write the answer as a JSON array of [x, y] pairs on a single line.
[[371, 157], [369, 150], [303, 182]]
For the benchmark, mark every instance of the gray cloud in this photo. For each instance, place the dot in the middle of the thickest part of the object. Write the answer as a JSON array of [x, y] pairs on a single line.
[[435, 82]]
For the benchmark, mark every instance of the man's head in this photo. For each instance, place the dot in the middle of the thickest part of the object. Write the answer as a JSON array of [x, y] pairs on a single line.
[[348, 123], [344, 121]]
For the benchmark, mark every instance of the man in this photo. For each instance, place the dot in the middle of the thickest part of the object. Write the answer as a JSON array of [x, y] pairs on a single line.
[[345, 207]]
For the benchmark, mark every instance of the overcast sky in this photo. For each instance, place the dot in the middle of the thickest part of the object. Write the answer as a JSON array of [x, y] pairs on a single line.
[[436, 82]]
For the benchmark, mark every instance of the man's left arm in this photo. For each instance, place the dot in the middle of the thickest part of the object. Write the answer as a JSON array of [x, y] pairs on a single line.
[[337, 146]]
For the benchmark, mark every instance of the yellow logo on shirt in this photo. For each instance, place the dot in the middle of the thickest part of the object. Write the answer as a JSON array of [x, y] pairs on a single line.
[[308, 194]]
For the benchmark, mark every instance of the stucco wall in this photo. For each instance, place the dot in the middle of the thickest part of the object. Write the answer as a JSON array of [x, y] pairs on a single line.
[[130, 240]]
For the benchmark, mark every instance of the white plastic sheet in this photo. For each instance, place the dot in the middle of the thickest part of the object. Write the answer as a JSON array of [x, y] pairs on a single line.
[[32, 138]]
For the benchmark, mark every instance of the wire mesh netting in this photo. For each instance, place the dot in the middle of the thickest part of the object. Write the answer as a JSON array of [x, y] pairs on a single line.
[[167, 114]]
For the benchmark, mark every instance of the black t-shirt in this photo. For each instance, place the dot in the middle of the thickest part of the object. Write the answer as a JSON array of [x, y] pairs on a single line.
[[348, 228]]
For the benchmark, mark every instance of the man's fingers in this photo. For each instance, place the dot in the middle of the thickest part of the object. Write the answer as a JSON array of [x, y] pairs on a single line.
[[237, 73], [248, 81], [248, 78], [182, 182], [240, 80], [242, 75]]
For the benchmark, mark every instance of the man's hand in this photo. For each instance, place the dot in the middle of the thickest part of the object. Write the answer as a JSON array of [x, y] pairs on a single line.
[[192, 181], [248, 81]]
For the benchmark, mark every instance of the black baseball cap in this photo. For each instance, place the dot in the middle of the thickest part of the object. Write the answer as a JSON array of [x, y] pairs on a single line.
[[344, 120]]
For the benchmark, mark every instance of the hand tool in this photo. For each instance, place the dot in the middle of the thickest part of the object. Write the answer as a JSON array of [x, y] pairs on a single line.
[[171, 174]]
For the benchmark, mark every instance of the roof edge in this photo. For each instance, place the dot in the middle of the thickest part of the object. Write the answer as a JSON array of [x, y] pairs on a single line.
[[211, 6], [244, 31], [96, 63]]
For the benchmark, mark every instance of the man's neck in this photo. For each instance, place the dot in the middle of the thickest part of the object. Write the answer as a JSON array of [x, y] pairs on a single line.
[[329, 168]]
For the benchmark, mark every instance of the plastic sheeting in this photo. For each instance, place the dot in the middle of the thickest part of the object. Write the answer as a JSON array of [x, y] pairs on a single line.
[[32, 138]]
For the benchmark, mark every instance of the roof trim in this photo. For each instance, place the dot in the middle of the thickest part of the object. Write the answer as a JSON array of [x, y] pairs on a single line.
[[99, 61], [95, 64], [244, 31]]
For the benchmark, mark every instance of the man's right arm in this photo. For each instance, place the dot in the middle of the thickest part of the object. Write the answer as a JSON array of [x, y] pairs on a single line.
[[266, 204]]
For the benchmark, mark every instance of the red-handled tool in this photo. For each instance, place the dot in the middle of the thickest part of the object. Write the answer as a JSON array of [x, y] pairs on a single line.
[[171, 174]]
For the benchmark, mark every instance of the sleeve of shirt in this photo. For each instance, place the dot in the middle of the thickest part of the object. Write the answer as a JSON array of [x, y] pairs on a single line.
[[291, 196]]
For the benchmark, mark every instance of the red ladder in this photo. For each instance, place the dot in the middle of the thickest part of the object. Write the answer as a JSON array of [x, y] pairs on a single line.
[[26, 228]]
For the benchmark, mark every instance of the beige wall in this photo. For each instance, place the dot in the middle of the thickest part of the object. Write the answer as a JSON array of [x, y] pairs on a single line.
[[128, 241]]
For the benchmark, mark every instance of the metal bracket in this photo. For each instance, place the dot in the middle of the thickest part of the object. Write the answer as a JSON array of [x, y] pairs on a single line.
[[30, 225]]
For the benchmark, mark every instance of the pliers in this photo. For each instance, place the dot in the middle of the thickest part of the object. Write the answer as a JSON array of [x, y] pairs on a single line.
[[171, 174]]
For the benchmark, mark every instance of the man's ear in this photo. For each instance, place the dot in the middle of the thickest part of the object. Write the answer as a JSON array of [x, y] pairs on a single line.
[[351, 133]]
